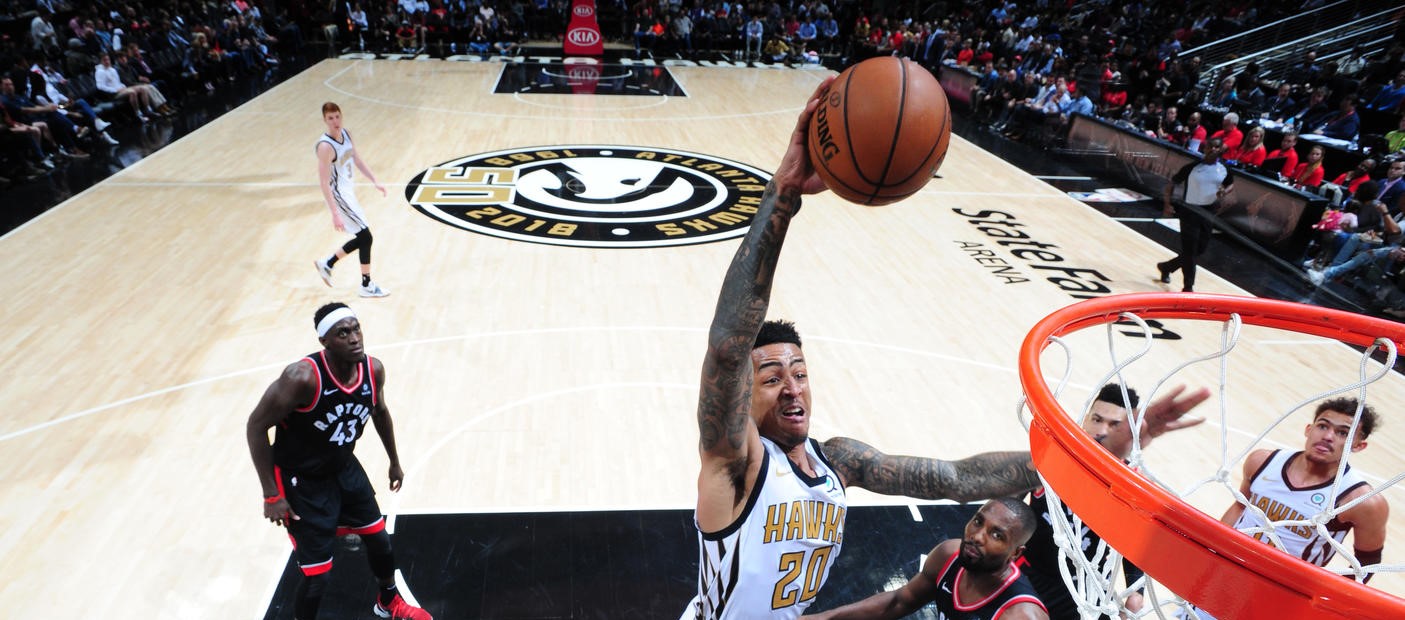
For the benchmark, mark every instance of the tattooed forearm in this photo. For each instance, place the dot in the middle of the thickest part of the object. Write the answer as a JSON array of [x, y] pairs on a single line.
[[991, 474], [741, 308]]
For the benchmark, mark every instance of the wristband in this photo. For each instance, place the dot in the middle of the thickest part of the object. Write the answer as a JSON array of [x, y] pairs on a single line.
[[273, 500]]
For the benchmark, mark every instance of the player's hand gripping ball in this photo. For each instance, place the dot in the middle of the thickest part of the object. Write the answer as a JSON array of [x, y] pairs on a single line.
[[881, 131]]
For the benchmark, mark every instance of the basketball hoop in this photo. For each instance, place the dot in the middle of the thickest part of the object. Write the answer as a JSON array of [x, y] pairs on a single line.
[[1190, 553]]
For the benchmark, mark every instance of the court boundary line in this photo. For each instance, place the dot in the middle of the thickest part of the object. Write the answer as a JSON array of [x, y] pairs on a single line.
[[327, 83]]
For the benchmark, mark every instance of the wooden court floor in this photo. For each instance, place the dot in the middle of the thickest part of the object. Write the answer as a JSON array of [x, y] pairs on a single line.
[[147, 314]]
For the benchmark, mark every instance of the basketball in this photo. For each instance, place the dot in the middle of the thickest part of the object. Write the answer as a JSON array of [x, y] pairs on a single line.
[[881, 131]]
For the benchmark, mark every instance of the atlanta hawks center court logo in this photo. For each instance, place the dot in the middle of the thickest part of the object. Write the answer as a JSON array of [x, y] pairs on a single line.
[[593, 196]]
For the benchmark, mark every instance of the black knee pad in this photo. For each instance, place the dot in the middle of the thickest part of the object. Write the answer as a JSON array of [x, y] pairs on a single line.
[[365, 239]]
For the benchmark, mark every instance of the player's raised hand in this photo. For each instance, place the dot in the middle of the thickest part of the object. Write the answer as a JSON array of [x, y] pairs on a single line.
[[1168, 413], [795, 169]]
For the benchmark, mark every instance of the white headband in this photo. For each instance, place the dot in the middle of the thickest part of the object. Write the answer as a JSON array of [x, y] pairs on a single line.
[[332, 318]]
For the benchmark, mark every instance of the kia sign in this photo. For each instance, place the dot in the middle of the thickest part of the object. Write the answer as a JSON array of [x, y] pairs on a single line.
[[584, 38], [583, 34]]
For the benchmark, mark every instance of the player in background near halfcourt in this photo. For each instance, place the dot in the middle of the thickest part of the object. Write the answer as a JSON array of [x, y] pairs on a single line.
[[1295, 486], [771, 500], [335, 158], [969, 578], [312, 482]]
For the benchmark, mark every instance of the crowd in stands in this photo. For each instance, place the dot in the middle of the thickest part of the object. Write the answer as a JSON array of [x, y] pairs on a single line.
[[70, 70], [76, 67], [1037, 65]]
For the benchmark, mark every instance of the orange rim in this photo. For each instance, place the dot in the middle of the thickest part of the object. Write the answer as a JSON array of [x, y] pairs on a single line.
[[1194, 555]]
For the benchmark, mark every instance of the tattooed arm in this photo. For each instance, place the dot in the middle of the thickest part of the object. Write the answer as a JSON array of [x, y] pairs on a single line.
[[728, 439], [991, 474], [983, 476]]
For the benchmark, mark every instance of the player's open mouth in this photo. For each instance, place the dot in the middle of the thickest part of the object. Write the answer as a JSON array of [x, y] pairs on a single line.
[[793, 412]]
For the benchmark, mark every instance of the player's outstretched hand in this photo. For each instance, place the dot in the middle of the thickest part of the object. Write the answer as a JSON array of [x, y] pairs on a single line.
[[795, 169], [279, 512], [380, 187], [1167, 413], [397, 476]]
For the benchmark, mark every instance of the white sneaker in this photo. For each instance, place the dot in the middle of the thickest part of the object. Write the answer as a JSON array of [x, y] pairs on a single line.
[[323, 270], [108, 139], [1317, 276], [101, 125], [373, 290]]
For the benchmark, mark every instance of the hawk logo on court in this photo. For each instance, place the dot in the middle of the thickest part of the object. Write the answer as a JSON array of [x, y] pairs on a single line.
[[593, 196]]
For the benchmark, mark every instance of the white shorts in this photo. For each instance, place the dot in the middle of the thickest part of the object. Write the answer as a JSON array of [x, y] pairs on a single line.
[[352, 216]]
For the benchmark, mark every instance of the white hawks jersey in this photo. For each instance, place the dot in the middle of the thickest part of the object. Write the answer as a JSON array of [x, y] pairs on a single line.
[[772, 561], [1281, 501], [343, 173], [1270, 490]]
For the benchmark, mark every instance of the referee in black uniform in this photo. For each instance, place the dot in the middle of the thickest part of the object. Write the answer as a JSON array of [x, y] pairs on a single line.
[[312, 483]]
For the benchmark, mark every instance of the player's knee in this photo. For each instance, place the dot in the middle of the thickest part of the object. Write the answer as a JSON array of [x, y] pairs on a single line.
[[378, 543], [317, 584]]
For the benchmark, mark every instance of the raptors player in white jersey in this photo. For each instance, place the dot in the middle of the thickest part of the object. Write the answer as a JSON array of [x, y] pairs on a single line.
[[770, 512], [336, 157], [1296, 486]]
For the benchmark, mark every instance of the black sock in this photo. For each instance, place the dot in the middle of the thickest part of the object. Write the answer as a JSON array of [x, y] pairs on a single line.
[[387, 594], [331, 260], [365, 279]]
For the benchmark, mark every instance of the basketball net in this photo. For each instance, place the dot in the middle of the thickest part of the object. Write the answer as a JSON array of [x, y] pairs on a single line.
[[1094, 576]]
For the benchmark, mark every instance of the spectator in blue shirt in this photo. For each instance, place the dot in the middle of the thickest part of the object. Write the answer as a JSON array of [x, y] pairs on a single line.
[[807, 31], [1390, 95], [1344, 124], [1077, 102]]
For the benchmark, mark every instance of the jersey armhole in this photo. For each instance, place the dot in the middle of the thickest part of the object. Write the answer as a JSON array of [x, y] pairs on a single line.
[[1264, 466], [750, 501], [316, 394]]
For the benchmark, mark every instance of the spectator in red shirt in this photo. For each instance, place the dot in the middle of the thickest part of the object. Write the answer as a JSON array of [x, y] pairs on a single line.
[[1252, 151], [1288, 153], [1309, 173], [1344, 186], [1194, 132], [1229, 132]]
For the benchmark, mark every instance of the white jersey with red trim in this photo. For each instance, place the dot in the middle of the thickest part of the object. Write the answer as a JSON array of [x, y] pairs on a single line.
[[772, 561]]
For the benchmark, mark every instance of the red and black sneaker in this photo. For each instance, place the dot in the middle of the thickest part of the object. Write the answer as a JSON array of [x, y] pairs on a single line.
[[400, 610]]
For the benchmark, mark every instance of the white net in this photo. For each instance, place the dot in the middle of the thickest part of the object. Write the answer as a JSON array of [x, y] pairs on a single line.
[[1093, 573]]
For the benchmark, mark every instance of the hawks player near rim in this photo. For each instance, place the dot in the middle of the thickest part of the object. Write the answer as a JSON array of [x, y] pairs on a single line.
[[312, 483], [771, 502]]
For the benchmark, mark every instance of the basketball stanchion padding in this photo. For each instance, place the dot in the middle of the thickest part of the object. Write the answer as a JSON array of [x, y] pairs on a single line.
[[1212, 565]]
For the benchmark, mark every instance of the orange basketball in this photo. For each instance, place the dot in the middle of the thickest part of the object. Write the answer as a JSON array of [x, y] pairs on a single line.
[[881, 131]]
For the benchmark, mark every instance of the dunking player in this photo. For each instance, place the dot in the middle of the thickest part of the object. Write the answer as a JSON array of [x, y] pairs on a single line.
[[771, 501], [974, 577], [1292, 486], [1106, 422], [312, 482], [335, 157]]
